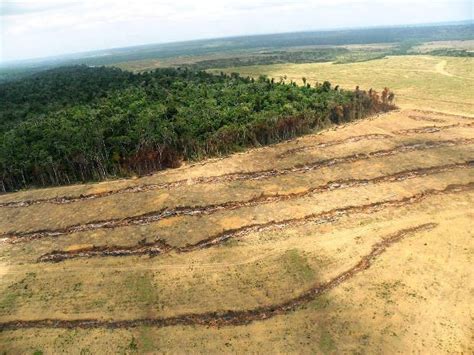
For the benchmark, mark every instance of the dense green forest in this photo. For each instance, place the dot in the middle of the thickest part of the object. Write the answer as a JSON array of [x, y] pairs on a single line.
[[79, 123], [51, 90]]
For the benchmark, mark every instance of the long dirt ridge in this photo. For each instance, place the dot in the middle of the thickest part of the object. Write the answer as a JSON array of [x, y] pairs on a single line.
[[375, 136], [202, 180], [426, 118], [432, 129], [230, 317], [438, 113], [160, 247], [156, 216]]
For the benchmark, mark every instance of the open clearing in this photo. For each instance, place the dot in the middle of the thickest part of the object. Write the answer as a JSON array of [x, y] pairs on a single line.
[[328, 242], [355, 239], [439, 83]]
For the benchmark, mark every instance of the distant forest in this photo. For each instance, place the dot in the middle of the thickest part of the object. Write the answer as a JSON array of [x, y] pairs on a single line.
[[283, 40], [77, 124], [296, 47]]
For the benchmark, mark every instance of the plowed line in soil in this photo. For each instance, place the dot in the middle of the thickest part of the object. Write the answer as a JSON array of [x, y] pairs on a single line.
[[354, 139], [160, 247], [432, 129], [426, 118], [402, 132], [444, 114], [229, 317], [203, 180], [155, 216]]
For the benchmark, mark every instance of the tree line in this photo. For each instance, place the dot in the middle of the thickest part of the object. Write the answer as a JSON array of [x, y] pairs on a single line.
[[78, 124]]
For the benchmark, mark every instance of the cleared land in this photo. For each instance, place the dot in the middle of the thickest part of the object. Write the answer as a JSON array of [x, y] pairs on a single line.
[[429, 46], [305, 234], [439, 83], [356, 239]]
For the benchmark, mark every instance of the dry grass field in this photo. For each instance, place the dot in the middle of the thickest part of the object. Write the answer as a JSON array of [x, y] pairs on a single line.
[[438, 83], [428, 46], [356, 239]]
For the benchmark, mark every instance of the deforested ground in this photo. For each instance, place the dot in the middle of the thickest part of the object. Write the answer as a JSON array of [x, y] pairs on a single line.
[[355, 239]]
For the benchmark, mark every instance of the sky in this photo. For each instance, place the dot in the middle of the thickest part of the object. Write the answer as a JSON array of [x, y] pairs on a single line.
[[41, 28]]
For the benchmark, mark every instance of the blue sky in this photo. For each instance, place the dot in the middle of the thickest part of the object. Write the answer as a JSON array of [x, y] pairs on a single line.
[[39, 28]]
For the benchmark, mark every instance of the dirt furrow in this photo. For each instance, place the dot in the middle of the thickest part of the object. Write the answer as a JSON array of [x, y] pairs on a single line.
[[142, 248], [255, 175], [229, 317], [444, 114], [403, 132], [426, 118], [328, 216], [155, 216], [354, 139], [160, 247], [431, 129]]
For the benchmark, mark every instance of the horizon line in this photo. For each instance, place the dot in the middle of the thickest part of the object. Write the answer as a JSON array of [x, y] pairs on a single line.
[[77, 55]]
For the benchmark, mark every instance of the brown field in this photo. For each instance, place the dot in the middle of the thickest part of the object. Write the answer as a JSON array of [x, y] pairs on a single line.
[[356, 239], [419, 81], [429, 46]]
